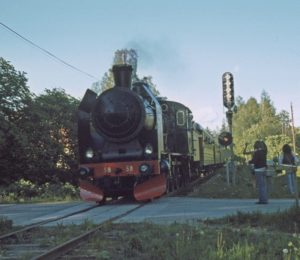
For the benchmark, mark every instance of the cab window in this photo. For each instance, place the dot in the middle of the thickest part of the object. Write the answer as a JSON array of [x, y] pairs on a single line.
[[180, 118]]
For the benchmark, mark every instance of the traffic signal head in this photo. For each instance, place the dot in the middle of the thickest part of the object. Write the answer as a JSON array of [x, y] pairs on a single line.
[[228, 91], [225, 138]]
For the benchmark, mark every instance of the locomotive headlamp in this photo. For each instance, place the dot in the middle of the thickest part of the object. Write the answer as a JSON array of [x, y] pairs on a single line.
[[148, 149], [89, 154], [144, 168], [84, 171]]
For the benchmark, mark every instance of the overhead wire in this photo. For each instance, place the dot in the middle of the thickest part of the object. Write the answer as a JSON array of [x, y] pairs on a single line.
[[47, 52]]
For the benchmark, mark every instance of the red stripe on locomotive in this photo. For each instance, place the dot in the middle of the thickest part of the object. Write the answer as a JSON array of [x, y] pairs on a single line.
[[121, 168]]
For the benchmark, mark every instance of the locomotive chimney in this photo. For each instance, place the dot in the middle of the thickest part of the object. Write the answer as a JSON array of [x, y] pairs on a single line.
[[122, 75]]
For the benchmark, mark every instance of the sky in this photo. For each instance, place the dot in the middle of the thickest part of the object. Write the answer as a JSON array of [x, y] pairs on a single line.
[[185, 45]]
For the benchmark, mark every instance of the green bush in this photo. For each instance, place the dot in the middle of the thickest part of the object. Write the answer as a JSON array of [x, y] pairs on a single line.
[[24, 190]]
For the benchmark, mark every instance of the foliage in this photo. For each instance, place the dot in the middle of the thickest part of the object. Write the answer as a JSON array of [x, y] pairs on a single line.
[[123, 56], [241, 236], [286, 221], [275, 143], [149, 81], [37, 133], [25, 190], [217, 186], [292, 251], [182, 241], [15, 97], [255, 120], [130, 57], [52, 134], [14, 92], [107, 82]]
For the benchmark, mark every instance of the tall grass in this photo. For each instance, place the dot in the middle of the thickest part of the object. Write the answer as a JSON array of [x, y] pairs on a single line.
[[286, 221], [179, 241]]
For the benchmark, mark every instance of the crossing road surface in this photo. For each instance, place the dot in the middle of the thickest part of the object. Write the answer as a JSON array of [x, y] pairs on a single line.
[[164, 210], [168, 210]]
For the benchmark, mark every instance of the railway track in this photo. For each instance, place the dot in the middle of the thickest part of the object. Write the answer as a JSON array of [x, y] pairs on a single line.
[[39, 242], [44, 222], [83, 239], [185, 190]]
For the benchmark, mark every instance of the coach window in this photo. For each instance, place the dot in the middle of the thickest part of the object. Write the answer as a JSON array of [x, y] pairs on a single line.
[[180, 118]]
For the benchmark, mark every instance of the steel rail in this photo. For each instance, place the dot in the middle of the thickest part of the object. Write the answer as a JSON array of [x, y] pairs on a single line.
[[43, 222], [184, 190], [66, 247]]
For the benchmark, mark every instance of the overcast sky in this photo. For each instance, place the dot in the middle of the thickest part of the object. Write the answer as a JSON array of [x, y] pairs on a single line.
[[185, 46]]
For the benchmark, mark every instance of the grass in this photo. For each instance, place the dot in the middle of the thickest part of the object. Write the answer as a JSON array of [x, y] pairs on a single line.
[[6, 225], [180, 241], [235, 237], [284, 221], [217, 186], [239, 236]]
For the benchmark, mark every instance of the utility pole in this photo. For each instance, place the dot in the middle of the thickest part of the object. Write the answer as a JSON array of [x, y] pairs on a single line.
[[294, 149], [293, 129]]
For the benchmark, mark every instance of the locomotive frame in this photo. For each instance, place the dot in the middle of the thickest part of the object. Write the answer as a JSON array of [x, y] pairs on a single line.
[[134, 144]]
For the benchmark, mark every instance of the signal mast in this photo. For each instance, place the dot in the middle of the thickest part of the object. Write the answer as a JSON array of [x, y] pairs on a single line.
[[226, 138]]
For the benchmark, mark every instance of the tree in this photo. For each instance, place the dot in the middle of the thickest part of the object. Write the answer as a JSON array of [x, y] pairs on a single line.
[[245, 122], [38, 134], [52, 134], [269, 121], [107, 81], [15, 97], [284, 118], [275, 143], [14, 92], [123, 56], [257, 120], [152, 86], [13, 145], [297, 131]]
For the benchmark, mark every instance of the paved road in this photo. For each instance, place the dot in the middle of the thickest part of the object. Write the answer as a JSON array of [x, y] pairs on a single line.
[[164, 210], [168, 210]]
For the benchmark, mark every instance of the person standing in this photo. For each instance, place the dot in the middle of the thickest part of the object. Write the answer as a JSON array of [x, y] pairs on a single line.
[[259, 160], [288, 158]]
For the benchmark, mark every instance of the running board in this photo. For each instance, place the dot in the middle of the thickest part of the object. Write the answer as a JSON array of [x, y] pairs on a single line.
[[150, 189]]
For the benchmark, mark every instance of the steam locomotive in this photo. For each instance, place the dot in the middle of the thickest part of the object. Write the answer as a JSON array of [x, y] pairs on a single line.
[[133, 143]]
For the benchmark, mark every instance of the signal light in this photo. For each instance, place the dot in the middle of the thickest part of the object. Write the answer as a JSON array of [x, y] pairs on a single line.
[[225, 138], [228, 91]]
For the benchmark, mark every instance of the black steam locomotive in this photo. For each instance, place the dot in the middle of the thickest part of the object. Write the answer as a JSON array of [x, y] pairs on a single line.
[[132, 143]]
